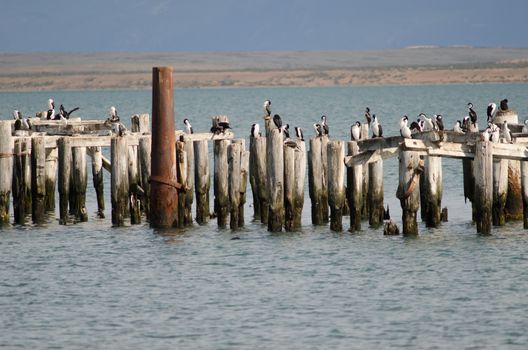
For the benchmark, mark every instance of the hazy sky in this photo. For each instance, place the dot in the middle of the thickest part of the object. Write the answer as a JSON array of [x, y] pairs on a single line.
[[257, 25]]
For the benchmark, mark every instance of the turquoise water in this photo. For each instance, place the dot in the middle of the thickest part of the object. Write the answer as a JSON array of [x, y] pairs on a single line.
[[93, 286]]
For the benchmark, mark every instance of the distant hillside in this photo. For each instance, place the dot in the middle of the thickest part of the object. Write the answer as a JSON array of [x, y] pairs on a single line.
[[47, 71]]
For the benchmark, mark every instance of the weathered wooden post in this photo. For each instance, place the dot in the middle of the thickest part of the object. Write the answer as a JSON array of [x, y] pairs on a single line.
[[80, 180], [524, 183], [202, 181], [144, 160], [410, 169], [119, 179], [261, 174], [181, 170], [324, 191], [431, 191], [6, 169], [483, 172], [354, 189], [141, 123], [513, 208], [375, 193], [163, 190], [253, 178], [221, 183], [189, 194], [275, 159], [51, 177], [19, 179], [315, 180], [365, 177], [38, 179], [500, 191], [244, 171], [133, 186], [97, 177], [336, 179], [65, 162], [298, 190], [233, 156], [289, 186]]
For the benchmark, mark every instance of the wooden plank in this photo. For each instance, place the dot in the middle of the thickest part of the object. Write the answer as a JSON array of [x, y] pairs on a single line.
[[379, 143], [86, 140], [227, 135], [371, 156]]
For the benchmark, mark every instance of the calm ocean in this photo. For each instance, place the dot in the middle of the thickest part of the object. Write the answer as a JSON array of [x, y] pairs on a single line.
[[93, 286]]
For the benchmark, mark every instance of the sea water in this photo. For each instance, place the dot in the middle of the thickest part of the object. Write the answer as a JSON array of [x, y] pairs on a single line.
[[89, 285]]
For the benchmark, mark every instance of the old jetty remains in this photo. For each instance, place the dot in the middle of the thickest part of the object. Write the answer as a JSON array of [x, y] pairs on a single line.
[[166, 185]]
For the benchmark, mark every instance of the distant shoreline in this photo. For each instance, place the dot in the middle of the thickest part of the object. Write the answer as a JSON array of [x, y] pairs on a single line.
[[416, 66]]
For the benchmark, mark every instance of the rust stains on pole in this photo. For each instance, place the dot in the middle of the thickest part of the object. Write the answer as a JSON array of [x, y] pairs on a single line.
[[163, 193]]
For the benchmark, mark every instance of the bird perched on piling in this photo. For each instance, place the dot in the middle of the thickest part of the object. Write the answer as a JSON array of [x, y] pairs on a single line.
[[504, 105], [428, 122], [367, 116], [21, 123], [355, 131], [286, 130], [324, 124], [491, 111], [472, 114], [113, 118], [458, 127], [278, 122], [319, 132], [466, 121], [377, 131], [299, 133], [507, 134], [51, 109], [65, 114], [188, 126], [405, 131], [267, 108], [255, 130], [439, 122]]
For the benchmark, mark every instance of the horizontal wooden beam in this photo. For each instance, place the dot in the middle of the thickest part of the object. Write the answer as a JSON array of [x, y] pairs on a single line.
[[371, 156], [379, 143], [226, 135]]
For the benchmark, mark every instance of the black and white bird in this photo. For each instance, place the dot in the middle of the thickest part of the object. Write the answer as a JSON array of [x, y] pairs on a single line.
[[377, 131], [367, 116], [255, 130], [188, 126], [439, 122], [223, 122], [507, 134], [504, 105], [17, 114], [405, 131], [51, 109], [492, 109], [355, 131], [267, 108], [216, 128], [114, 118], [21, 123], [525, 127], [277, 121], [64, 114], [466, 121], [472, 114], [286, 130], [299, 133], [428, 122], [458, 127], [416, 126], [324, 124], [319, 131]]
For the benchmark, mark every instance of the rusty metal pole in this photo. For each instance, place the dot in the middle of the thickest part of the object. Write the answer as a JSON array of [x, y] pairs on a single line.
[[163, 193]]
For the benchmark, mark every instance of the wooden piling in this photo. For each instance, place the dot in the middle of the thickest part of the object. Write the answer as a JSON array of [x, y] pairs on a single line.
[[298, 190], [20, 195], [6, 167], [202, 181], [97, 177], [181, 172], [408, 190], [275, 160], [336, 189], [431, 191], [375, 193], [244, 172], [233, 156], [144, 161], [324, 191], [189, 194], [524, 188], [261, 175], [119, 179], [317, 181], [51, 177], [80, 180], [365, 178], [133, 186], [163, 190], [500, 191], [38, 178], [221, 181], [65, 162], [289, 187], [483, 195], [253, 178], [140, 123], [354, 189]]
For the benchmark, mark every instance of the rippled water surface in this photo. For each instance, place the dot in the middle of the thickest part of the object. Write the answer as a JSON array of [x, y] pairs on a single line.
[[93, 286]]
